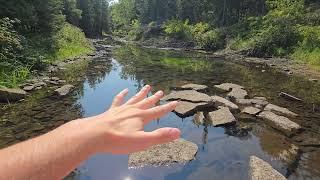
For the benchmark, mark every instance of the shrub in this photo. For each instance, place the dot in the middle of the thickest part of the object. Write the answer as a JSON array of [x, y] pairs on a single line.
[[212, 40], [308, 49], [199, 29], [178, 29], [69, 42], [136, 31]]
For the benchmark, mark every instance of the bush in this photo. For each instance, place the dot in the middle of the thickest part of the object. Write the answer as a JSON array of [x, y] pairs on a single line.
[[211, 40], [178, 29], [136, 31], [69, 42], [308, 49]]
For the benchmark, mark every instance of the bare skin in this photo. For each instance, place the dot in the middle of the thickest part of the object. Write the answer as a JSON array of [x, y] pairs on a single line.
[[116, 131]]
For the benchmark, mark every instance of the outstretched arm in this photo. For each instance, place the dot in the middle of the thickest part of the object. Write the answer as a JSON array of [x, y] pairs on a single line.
[[118, 131]]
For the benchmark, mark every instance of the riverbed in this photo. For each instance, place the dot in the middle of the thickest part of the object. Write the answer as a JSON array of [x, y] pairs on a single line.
[[223, 151]]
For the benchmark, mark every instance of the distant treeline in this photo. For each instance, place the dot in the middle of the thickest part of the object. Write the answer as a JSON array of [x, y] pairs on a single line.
[[286, 28]]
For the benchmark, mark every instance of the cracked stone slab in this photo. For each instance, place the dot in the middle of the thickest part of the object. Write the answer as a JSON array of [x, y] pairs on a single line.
[[179, 151], [223, 116], [281, 123], [64, 90], [280, 110], [238, 93], [228, 86], [255, 101], [185, 108], [220, 101], [261, 170], [196, 87], [187, 95], [251, 111]]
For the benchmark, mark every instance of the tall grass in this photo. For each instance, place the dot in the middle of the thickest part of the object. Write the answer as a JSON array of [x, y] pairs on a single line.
[[12, 78]]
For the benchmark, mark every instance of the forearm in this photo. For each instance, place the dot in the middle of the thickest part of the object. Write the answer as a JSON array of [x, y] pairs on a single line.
[[50, 156]]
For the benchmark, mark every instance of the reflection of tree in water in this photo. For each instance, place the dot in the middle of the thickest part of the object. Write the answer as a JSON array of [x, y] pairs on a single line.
[[97, 71]]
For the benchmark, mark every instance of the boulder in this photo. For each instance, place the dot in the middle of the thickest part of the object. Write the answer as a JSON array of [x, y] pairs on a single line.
[[11, 95], [196, 87], [254, 101], [185, 109], [199, 118], [178, 151], [222, 116], [281, 123], [238, 93], [220, 101], [261, 170], [279, 110], [64, 90], [188, 95], [251, 111], [228, 86], [40, 84]]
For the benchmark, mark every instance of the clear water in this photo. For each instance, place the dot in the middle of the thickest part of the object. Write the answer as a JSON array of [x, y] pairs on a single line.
[[223, 151]]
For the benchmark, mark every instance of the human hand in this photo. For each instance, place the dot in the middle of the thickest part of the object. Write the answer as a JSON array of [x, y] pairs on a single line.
[[120, 129]]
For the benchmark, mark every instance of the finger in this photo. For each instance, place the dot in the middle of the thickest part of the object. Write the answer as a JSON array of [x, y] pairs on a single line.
[[159, 136], [118, 100], [159, 111], [140, 95], [151, 101]]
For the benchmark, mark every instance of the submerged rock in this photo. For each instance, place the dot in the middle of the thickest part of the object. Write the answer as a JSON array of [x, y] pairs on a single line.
[[251, 111], [11, 95], [178, 151], [64, 90], [188, 95], [29, 88], [261, 170], [220, 101], [185, 108], [254, 101], [196, 87], [199, 118], [228, 86], [238, 93], [222, 116], [280, 110], [281, 123]]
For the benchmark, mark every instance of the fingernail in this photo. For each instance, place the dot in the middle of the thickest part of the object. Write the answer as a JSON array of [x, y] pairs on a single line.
[[174, 133], [125, 91], [159, 93]]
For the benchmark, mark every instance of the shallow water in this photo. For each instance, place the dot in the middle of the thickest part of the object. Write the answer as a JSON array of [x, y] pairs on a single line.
[[223, 151]]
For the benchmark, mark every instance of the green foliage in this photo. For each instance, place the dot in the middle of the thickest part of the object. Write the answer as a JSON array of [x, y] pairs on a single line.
[[308, 49], [136, 30], [178, 29], [212, 40], [70, 42], [15, 76], [73, 14], [10, 42]]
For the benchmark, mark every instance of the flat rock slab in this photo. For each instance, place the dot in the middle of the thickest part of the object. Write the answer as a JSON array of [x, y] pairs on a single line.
[[196, 87], [222, 116], [238, 93], [188, 95], [280, 110], [281, 123], [11, 95], [254, 101], [220, 101], [178, 151], [185, 108], [228, 86], [261, 170], [64, 90], [251, 111]]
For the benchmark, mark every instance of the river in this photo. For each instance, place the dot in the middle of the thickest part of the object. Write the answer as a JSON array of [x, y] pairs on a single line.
[[223, 151]]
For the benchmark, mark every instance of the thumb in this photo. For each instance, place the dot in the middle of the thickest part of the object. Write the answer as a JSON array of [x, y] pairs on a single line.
[[159, 136]]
